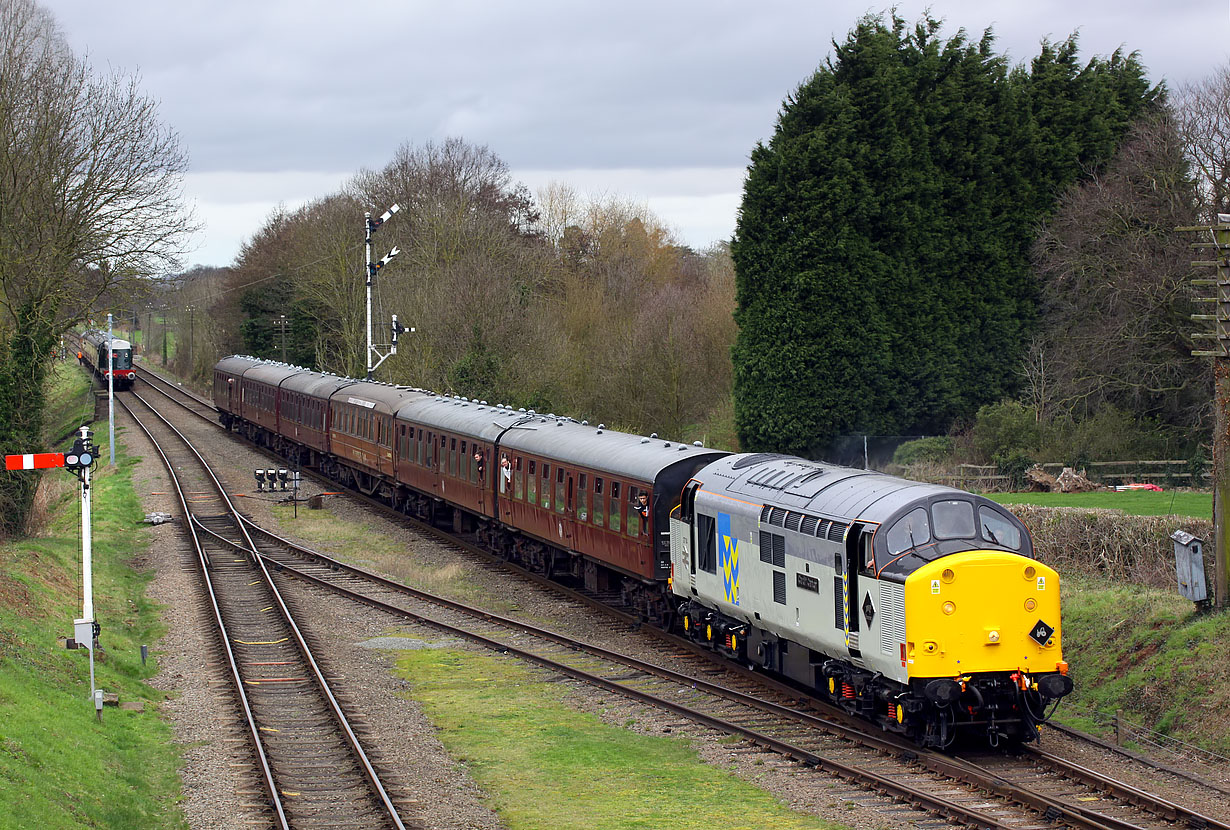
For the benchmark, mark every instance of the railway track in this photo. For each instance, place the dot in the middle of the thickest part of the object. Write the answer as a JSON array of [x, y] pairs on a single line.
[[314, 769], [999, 791]]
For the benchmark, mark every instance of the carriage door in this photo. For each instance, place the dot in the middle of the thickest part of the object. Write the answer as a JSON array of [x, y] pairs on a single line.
[[858, 561]]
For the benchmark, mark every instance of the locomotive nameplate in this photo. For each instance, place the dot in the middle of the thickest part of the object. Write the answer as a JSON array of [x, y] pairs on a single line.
[[807, 583]]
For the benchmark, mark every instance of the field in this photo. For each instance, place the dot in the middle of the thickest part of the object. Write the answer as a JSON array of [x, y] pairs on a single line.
[[1193, 503]]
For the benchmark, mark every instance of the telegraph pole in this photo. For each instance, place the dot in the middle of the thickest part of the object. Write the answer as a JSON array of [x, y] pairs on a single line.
[[1219, 233], [369, 225]]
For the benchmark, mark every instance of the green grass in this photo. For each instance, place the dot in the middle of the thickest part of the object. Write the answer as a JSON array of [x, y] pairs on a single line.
[[1151, 654], [547, 766], [1136, 502], [60, 767]]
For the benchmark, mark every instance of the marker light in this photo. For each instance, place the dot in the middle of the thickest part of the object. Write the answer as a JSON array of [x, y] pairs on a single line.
[[949, 607]]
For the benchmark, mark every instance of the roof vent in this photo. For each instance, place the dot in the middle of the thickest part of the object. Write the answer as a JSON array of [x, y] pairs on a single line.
[[585, 423], [653, 435], [644, 440], [697, 444], [667, 444], [530, 412]]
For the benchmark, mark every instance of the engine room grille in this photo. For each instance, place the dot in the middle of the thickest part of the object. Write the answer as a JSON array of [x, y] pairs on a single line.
[[773, 549], [836, 531], [892, 617], [779, 587], [792, 521]]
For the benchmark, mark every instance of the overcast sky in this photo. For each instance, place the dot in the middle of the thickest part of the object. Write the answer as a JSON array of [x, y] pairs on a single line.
[[659, 102]]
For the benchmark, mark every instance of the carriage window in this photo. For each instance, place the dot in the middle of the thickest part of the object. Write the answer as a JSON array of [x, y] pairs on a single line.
[[518, 489], [582, 500], [997, 529], [531, 494], [617, 509], [431, 446], [953, 520], [911, 530], [546, 486], [634, 511], [560, 501], [599, 508]]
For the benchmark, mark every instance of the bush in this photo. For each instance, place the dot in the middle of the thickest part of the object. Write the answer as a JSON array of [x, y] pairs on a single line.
[[1014, 465], [931, 450], [1004, 428]]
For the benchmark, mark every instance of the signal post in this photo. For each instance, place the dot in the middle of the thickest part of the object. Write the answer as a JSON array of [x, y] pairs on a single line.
[[1219, 234], [80, 461]]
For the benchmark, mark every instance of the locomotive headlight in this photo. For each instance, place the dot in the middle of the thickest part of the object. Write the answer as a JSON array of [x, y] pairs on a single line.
[[949, 607], [1030, 573], [1031, 604], [948, 575]]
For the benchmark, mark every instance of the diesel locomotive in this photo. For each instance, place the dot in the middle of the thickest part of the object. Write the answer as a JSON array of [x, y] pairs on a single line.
[[917, 606], [94, 354]]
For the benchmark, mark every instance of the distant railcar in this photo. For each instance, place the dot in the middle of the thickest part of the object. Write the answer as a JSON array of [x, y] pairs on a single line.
[[94, 354]]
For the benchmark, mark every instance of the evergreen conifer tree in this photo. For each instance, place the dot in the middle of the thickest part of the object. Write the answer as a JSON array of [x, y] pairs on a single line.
[[882, 247]]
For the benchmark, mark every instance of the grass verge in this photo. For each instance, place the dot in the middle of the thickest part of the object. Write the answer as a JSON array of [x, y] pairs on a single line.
[[1151, 654], [547, 766], [1191, 503], [59, 766]]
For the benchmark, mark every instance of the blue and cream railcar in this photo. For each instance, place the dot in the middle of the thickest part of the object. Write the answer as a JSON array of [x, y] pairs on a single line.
[[916, 605]]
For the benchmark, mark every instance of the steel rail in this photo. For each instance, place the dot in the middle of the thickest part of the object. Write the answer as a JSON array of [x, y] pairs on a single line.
[[322, 683]]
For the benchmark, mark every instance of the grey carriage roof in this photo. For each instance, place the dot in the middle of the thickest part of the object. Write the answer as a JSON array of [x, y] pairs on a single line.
[[383, 397], [819, 488], [609, 451]]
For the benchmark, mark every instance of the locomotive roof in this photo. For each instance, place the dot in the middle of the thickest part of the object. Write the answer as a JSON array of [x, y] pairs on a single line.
[[815, 487], [99, 338]]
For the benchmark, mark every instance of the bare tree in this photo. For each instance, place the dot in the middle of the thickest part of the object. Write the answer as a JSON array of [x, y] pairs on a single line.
[[89, 198], [1202, 116], [1116, 289]]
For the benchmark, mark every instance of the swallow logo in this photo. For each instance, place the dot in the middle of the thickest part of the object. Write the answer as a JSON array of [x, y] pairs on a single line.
[[728, 559]]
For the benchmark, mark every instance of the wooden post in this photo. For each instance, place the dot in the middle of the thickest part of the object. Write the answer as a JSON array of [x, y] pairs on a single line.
[[1220, 352]]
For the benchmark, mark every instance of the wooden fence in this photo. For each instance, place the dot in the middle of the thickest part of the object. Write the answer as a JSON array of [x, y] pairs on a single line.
[[1165, 473]]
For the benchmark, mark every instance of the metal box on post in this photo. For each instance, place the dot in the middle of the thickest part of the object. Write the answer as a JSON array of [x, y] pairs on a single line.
[[1189, 566]]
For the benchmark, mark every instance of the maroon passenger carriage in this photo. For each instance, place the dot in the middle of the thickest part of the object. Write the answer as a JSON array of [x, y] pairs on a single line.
[[558, 496]]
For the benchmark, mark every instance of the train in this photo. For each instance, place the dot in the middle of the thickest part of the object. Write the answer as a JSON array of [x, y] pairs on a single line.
[[93, 351], [916, 606]]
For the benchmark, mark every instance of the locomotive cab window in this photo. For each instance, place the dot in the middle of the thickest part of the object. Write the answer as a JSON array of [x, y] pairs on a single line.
[[910, 531], [998, 530], [706, 543], [953, 519]]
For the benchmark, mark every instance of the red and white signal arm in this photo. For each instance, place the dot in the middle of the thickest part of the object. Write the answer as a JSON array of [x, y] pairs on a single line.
[[34, 461]]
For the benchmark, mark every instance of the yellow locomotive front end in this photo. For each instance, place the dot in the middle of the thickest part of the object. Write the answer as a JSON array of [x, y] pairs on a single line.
[[984, 641]]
